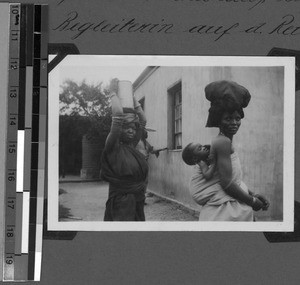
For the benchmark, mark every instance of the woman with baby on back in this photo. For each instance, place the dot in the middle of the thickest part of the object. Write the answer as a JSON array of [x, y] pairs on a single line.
[[223, 196]]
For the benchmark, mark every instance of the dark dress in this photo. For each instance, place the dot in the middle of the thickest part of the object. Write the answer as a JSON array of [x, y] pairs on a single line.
[[126, 170]]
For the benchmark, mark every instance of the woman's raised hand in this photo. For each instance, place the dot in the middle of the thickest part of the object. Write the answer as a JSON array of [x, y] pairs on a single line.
[[114, 86]]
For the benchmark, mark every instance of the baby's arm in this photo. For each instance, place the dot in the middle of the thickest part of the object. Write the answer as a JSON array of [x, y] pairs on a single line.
[[207, 171]]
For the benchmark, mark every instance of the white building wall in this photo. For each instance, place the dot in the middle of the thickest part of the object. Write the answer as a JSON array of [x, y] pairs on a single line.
[[259, 141]]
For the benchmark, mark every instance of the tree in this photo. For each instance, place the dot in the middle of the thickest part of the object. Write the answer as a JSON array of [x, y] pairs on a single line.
[[84, 110], [91, 101]]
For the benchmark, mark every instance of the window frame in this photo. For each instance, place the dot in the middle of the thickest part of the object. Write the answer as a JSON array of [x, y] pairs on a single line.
[[175, 116]]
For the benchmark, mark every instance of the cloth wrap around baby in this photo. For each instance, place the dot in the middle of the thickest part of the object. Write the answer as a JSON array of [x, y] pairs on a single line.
[[217, 205]]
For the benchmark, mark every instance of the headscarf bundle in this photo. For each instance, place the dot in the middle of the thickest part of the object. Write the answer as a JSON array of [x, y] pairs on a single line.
[[130, 116], [226, 95]]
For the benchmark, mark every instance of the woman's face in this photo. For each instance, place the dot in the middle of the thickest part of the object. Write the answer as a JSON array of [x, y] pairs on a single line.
[[230, 123], [128, 132]]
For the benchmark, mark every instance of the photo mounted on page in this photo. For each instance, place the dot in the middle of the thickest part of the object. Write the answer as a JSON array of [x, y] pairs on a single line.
[[171, 143]]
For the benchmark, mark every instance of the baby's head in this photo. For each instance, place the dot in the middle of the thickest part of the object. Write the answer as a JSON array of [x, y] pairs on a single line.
[[195, 152]]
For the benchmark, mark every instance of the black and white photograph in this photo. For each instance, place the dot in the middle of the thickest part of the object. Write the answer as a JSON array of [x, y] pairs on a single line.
[[171, 143]]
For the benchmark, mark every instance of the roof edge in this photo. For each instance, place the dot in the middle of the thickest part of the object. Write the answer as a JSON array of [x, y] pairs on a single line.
[[143, 76]]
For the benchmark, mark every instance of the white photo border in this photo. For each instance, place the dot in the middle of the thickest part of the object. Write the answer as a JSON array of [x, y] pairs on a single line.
[[286, 225]]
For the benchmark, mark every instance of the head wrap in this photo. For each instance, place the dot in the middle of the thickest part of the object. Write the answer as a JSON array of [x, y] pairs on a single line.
[[225, 96], [130, 116]]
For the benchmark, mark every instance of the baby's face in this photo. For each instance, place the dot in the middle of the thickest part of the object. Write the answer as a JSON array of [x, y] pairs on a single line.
[[200, 152]]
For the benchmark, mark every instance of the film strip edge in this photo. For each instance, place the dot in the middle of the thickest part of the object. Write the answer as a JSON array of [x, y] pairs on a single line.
[[11, 156], [27, 82]]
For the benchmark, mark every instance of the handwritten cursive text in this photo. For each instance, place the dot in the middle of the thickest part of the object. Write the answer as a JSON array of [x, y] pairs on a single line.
[[78, 28]]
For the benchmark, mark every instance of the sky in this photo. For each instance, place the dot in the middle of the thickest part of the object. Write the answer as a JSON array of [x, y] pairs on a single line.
[[93, 69]]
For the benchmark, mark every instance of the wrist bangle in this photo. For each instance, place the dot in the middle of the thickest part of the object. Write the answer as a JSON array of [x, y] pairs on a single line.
[[138, 105]]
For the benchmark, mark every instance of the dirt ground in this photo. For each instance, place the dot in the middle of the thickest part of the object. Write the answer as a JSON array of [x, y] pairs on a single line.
[[157, 209], [86, 202]]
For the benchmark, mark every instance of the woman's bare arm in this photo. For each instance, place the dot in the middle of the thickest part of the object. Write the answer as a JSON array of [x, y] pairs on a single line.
[[222, 147], [117, 117], [142, 120], [140, 112]]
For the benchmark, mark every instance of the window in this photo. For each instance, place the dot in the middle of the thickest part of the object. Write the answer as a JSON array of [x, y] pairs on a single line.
[[175, 116]]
